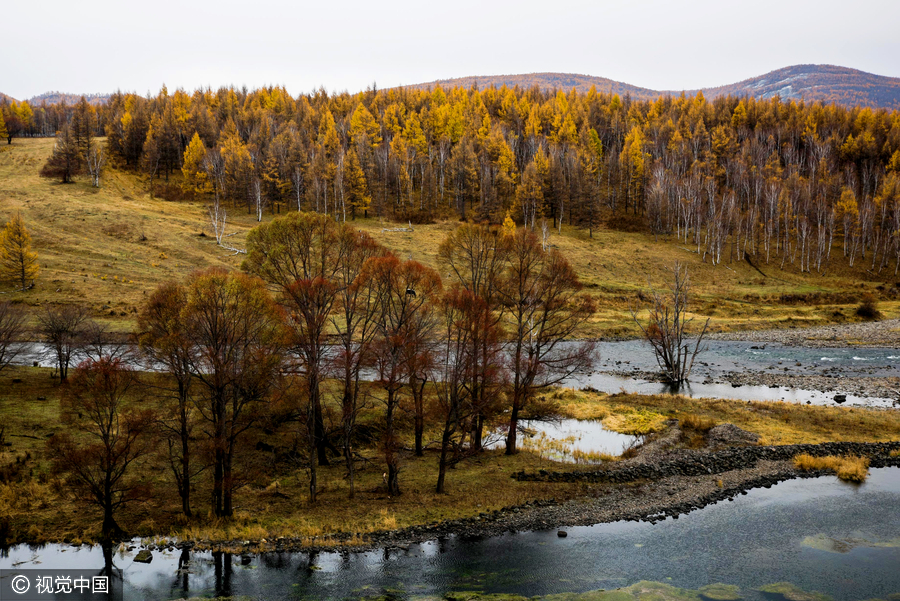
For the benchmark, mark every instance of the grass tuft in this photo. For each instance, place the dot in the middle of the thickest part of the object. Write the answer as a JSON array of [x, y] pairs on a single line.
[[849, 469], [692, 421]]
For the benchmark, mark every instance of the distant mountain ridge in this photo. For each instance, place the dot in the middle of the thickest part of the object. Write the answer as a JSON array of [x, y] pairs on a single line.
[[810, 83], [56, 97]]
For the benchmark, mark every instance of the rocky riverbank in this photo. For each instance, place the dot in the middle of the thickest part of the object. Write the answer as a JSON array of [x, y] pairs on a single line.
[[832, 381], [659, 483], [885, 333], [884, 388]]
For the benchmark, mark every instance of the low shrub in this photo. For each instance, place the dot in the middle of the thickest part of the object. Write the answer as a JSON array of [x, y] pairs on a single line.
[[868, 308]]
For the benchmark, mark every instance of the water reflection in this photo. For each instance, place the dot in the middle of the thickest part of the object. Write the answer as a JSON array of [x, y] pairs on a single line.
[[750, 542], [572, 440]]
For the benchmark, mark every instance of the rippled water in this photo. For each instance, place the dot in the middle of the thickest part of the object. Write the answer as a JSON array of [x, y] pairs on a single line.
[[817, 534]]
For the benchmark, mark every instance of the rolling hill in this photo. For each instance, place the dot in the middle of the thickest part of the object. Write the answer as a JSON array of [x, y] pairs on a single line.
[[810, 83]]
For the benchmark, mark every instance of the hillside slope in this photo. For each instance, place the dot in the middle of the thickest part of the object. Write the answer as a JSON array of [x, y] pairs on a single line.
[[824, 83], [810, 83], [546, 81], [108, 249]]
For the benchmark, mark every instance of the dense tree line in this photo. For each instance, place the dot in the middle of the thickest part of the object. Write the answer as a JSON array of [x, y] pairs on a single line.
[[26, 119], [776, 181]]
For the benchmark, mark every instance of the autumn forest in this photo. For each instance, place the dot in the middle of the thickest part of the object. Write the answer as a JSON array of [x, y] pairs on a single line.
[[775, 180]]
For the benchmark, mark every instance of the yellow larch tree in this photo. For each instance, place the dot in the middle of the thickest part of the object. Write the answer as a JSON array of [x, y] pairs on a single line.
[[17, 262], [195, 178]]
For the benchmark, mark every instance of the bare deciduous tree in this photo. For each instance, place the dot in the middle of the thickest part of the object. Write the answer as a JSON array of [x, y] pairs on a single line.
[[236, 335], [63, 329], [543, 309], [404, 295], [666, 329], [97, 404], [12, 326]]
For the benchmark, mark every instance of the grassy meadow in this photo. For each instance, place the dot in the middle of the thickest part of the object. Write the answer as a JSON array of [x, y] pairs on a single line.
[[108, 248], [37, 504]]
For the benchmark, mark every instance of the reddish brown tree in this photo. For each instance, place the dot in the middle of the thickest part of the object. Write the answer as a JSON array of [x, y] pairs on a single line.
[[166, 344], [303, 254], [464, 316], [106, 435], [476, 256], [236, 333], [544, 311], [354, 322], [404, 294]]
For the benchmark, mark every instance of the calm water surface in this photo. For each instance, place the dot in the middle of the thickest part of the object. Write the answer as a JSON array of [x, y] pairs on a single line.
[[817, 534]]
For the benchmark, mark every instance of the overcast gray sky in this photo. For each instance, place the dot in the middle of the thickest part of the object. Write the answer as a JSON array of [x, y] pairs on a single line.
[[84, 46]]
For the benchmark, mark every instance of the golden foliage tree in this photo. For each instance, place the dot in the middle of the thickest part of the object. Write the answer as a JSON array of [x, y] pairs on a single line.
[[360, 200], [17, 262], [195, 177]]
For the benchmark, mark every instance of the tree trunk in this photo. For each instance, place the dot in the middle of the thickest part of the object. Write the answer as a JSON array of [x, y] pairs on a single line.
[[513, 427], [321, 442], [393, 485], [110, 529], [185, 473], [227, 484], [418, 397], [313, 460], [347, 419], [442, 464]]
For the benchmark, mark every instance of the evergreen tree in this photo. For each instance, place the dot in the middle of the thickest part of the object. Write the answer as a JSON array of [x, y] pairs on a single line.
[[66, 160]]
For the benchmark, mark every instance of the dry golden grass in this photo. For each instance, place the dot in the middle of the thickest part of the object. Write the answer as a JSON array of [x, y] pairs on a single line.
[[895, 453], [42, 507], [850, 469], [108, 248], [700, 423], [105, 248], [562, 449], [635, 422], [775, 422]]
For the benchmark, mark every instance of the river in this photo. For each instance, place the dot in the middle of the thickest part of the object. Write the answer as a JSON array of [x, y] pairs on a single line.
[[616, 360], [807, 535]]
